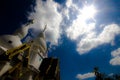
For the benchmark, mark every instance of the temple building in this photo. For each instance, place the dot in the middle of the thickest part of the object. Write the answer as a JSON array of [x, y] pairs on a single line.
[[28, 60]]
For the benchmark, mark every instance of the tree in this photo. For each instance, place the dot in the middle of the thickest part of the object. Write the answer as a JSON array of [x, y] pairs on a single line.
[[102, 76]]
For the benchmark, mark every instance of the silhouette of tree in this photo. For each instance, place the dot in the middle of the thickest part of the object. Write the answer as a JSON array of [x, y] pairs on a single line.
[[103, 76], [98, 74]]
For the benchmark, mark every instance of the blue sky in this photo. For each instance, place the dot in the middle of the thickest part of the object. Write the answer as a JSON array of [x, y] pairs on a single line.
[[83, 34]]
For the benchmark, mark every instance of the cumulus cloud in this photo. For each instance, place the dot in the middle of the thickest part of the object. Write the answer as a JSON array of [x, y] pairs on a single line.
[[92, 40], [46, 12], [69, 19], [85, 33], [116, 57], [68, 3], [79, 28], [86, 36], [85, 76]]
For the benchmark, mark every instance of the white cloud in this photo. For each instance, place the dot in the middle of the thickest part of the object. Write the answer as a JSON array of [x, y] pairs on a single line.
[[79, 28], [115, 61], [46, 12], [69, 19], [68, 3], [85, 34], [116, 57], [85, 76], [106, 36], [86, 37], [116, 52]]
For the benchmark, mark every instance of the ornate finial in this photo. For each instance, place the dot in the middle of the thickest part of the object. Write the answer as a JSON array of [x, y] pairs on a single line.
[[44, 28]]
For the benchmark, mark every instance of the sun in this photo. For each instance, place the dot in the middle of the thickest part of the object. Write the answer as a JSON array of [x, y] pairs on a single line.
[[88, 12]]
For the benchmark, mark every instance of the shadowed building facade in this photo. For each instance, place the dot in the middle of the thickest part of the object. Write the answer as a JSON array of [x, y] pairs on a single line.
[[26, 61], [49, 69]]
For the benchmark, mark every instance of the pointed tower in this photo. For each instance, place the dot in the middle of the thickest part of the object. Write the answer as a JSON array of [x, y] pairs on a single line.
[[26, 61]]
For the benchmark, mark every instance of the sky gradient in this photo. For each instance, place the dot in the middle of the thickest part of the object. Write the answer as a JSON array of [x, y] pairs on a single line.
[[82, 38]]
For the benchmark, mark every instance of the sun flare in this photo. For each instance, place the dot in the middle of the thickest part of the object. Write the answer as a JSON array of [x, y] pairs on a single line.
[[88, 12]]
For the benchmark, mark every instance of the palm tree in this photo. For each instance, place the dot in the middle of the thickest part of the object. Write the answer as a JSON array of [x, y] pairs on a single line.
[[98, 75]]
